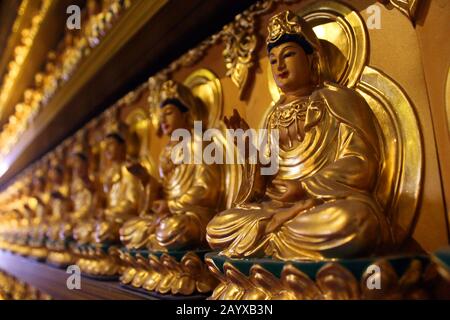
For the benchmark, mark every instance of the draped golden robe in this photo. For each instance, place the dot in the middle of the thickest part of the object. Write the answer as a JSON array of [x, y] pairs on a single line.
[[38, 229], [336, 160], [81, 221], [123, 192], [60, 206]]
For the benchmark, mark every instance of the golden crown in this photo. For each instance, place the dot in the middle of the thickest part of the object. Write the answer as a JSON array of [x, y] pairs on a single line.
[[170, 90], [285, 22], [288, 23]]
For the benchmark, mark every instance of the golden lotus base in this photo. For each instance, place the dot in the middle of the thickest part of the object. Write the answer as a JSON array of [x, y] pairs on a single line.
[[38, 253], [165, 274], [60, 258], [402, 278], [95, 261], [102, 267], [15, 248]]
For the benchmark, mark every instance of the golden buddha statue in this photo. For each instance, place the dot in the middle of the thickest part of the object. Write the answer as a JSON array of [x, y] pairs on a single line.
[[190, 192], [23, 211], [38, 203], [59, 204], [79, 223], [86, 169], [122, 189], [320, 203]]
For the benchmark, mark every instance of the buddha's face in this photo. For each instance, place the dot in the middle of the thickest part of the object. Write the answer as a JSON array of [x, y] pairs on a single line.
[[114, 150], [172, 119], [56, 175], [290, 67], [80, 166], [38, 184]]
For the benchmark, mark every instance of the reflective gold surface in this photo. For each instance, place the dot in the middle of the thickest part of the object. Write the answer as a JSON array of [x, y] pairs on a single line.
[[177, 218], [273, 226], [352, 165]]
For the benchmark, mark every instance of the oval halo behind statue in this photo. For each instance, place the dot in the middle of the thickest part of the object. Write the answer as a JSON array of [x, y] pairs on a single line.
[[206, 86]]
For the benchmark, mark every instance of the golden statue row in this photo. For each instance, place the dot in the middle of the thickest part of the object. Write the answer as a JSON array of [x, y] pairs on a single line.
[[97, 19], [14, 289], [320, 205]]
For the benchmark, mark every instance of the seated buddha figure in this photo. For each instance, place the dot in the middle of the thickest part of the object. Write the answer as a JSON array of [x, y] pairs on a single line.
[[320, 203], [122, 190], [38, 203], [21, 208], [190, 192], [79, 223], [59, 204]]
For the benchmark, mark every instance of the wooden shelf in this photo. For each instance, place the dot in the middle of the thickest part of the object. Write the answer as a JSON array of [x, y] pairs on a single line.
[[53, 281]]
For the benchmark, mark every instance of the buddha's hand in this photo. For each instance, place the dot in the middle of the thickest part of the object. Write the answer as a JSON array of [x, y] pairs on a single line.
[[139, 171], [236, 122], [291, 191], [161, 208], [284, 215]]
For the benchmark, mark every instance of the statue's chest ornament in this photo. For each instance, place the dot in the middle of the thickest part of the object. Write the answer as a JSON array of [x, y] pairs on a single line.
[[286, 115], [295, 119]]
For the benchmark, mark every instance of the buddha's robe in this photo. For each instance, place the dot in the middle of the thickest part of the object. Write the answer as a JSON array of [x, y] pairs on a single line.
[[38, 229], [80, 225], [336, 159], [123, 192], [60, 206]]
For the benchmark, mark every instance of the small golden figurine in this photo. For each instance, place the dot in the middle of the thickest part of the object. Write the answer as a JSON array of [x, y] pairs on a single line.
[[60, 204], [83, 194], [39, 204], [178, 220], [320, 204], [121, 188], [191, 195]]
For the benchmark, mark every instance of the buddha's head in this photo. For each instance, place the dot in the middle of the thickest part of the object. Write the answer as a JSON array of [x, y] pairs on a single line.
[[115, 148], [177, 107], [56, 172], [38, 181], [93, 7], [79, 161], [295, 53]]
